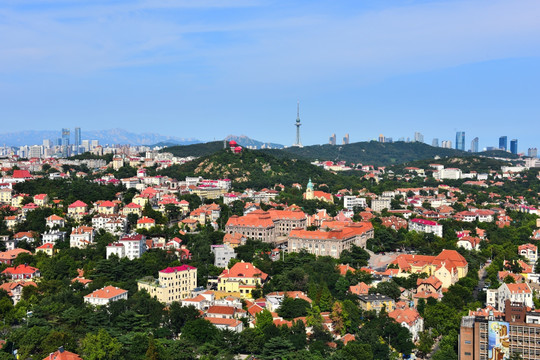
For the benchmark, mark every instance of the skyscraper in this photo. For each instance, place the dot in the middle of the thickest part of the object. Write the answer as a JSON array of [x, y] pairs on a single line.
[[460, 140], [346, 139], [332, 140], [381, 138], [447, 144], [77, 140], [503, 143], [418, 137], [533, 152], [514, 146], [474, 145], [435, 142], [298, 143], [65, 142]]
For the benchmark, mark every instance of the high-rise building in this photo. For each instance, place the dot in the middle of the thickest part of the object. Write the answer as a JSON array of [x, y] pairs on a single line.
[[298, 143], [460, 140], [34, 152], [332, 140], [381, 138], [388, 140], [503, 143], [346, 139], [533, 152], [514, 146], [435, 142], [65, 142], [474, 145], [418, 137], [94, 144], [447, 144], [77, 140], [46, 143], [85, 144]]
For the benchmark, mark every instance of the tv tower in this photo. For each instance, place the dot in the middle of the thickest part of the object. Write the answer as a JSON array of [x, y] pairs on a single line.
[[298, 143]]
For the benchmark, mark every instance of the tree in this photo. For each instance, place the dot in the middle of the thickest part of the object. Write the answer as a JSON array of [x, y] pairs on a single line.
[[292, 308], [355, 350], [425, 342], [277, 348], [151, 352], [100, 346], [388, 288]]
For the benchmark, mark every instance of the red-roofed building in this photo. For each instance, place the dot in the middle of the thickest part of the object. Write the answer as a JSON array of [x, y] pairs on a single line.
[[8, 256], [47, 248], [62, 354], [41, 199], [410, 319], [333, 242], [242, 278], [132, 208], [469, 243], [81, 237], [146, 223], [516, 293], [106, 295], [77, 209], [21, 175], [226, 324], [21, 272], [426, 226], [530, 252], [107, 207], [173, 284], [359, 289], [55, 221]]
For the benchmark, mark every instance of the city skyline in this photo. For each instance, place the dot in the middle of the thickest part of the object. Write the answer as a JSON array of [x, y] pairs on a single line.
[[226, 64]]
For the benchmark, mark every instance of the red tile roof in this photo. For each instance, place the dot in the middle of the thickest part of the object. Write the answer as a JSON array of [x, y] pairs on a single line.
[[177, 268], [77, 204], [243, 269], [107, 292]]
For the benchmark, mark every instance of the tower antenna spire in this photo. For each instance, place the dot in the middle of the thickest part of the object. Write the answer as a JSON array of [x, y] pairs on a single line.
[[298, 143]]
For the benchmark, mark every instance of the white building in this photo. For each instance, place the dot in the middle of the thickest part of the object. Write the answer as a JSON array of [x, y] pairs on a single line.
[[222, 255], [350, 202], [130, 246], [106, 295], [81, 237], [114, 223], [410, 319], [530, 252], [427, 226], [380, 204], [53, 236], [516, 293], [450, 173]]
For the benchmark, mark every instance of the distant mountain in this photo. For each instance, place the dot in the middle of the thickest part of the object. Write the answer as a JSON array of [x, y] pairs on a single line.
[[245, 141], [111, 136]]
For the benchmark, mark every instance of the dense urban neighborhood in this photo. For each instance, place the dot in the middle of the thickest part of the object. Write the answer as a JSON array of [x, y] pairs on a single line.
[[239, 253]]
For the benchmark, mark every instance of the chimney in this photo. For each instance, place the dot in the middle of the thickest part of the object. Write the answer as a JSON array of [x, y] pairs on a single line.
[[61, 349]]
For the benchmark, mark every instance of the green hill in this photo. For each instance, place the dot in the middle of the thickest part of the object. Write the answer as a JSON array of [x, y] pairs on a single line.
[[254, 169], [196, 150], [464, 163], [376, 153]]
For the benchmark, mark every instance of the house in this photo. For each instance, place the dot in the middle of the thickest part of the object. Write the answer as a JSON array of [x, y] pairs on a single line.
[[81, 279], [8, 256], [449, 266], [21, 272], [206, 213], [11, 221], [226, 324], [15, 289], [274, 299], [115, 224], [223, 312], [173, 284], [234, 239], [47, 248], [41, 199], [426, 226], [409, 318], [106, 295], [106, 207], [469, 243], [222, 255], [242, 279], [359, 289], [530, 252], [81, 237], [77, 209], [55, 221], [132, 208], [516, 293], [130, 246], [376, 302], [62, 354], [53, 236], [27, 236], [145, 223]]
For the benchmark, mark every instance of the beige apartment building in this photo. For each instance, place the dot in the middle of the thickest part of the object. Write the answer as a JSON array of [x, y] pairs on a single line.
[[173, 284]]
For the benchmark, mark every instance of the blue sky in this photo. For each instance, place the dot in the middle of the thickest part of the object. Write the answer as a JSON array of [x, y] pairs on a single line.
[[209, 68]]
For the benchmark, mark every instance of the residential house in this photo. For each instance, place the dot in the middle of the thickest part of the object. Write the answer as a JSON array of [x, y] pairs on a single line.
[[222, 255], [241, 279], [81, 237], [132, 208], [77, 209], [53, 236], [114, 223], [8, 256], [47, 248], [21, 272], [516, 293], [376, 302], [55, 221], [410, 319], [106, 295], [426, 226], [130, 246], [146, 223], [41, 199], [530, 252], [15, 289]]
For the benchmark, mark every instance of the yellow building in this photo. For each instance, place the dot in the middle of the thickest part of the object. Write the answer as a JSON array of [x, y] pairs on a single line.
[[209, 192], [242, 278], [311, 194], [132, 208], [376, 302], [106, 207], [78, 208], [47, 248], [6, 196], [173, 284], [139, 200], [41, 199], [146, 223]]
